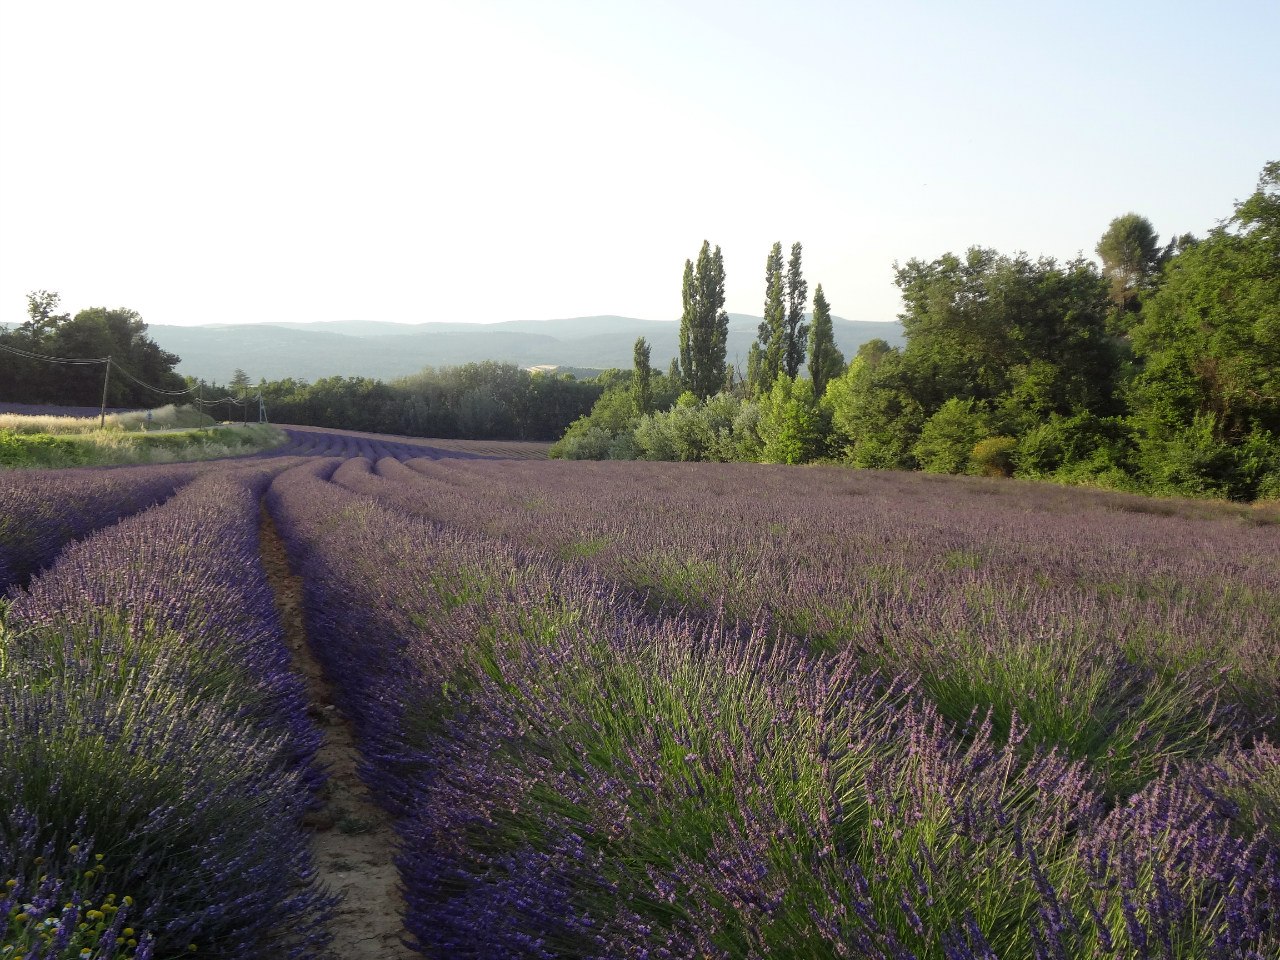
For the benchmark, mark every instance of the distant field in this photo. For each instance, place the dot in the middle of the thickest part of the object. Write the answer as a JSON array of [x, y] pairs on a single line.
[[503, 449]]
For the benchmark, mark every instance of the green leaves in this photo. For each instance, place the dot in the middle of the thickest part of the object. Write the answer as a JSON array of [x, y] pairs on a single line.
[[704, 324]]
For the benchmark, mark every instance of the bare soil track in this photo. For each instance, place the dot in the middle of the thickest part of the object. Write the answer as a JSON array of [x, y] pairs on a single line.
[[353, 841]]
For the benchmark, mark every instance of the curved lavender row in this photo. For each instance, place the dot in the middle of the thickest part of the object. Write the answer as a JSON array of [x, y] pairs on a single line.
[[192, 572], [577, 778], [366, 674], [320, 443], [42, 510], [1159, 639], [147, 702]]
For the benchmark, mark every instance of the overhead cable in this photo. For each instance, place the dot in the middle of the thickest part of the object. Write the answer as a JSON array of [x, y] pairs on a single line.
[[40, 356]]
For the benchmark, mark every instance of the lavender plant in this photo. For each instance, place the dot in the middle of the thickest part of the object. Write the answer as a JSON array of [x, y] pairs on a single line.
[[146, 703], [577, 774], [1159, 641], [42, 510]]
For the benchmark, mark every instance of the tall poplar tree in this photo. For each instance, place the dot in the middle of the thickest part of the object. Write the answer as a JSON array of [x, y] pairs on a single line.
[[704, 324], [642, 378], [797, 331], [765, 361], [826, 362]]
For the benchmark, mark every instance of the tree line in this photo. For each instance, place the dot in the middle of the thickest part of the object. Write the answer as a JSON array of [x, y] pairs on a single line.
[[478, 401], [1158, 372], [49, 359], [27, 375]]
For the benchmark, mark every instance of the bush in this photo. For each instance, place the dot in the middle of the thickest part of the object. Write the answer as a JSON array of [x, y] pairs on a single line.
[[592, 437], [993, 457], [697, 430], [1189, 461], [948, 437], [790, 426], [583, 440]]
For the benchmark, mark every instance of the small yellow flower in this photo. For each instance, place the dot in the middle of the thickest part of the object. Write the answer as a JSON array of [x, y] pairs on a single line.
[[20, 917], [129, 931], [39, 861], [128, 901], [95, 915], [98, 857], [11, 884], [74, 848], [191, 947], [132, 942]]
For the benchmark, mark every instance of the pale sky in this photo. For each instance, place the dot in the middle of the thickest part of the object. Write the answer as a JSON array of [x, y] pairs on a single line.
[[490, 160]]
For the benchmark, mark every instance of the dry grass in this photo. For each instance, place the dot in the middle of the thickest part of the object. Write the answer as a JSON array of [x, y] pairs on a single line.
[[168, 417]]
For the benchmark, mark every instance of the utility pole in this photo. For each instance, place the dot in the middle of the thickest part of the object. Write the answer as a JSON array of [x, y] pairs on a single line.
[[102, 412]]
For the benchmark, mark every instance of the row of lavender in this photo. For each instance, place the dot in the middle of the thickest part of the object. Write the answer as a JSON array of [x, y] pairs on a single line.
[[1127, 638], [578, 775], [155, 755], [321, 443], [41, 511]]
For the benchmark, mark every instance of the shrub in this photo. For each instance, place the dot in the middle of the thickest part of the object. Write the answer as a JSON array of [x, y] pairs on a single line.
[[790, 425], [948, 437], [993, 457]]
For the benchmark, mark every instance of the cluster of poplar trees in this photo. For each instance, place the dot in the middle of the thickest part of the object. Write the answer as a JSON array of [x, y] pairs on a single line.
[[1158, 371]]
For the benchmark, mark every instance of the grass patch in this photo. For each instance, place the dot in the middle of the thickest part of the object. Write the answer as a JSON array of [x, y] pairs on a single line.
[[113, 448], [168, 417]]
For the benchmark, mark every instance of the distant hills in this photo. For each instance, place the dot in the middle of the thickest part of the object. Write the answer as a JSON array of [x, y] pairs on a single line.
[[371, 348]]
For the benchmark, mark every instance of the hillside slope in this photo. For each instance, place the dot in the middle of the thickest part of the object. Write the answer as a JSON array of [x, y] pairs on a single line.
[[308, 351]]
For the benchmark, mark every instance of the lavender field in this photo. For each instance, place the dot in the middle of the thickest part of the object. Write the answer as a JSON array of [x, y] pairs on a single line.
[[637, 710]]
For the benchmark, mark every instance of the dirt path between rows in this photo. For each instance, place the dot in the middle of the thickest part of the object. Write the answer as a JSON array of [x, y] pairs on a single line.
[[352, 840]]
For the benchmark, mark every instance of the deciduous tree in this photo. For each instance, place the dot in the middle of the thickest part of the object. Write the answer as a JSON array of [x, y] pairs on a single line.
[[797, 331], [826, 362], [642, 377], [704, 324]]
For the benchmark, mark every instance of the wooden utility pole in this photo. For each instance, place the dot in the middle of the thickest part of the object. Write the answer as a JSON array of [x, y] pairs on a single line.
[[102, 412]]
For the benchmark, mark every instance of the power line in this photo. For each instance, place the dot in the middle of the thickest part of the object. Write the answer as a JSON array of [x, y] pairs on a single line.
[[168, 393], [81, 361], [40, 356]]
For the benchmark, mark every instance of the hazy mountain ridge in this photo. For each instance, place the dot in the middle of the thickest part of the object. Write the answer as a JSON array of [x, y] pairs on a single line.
[[386, 350]]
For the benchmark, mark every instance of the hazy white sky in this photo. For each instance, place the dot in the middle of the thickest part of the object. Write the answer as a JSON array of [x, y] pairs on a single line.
[[490, 160]]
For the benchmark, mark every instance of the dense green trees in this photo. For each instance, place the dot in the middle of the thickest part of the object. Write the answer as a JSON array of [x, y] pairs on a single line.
[[1159, 372], [483, 401], [1206, 399], [704, 324], [91, 334]]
